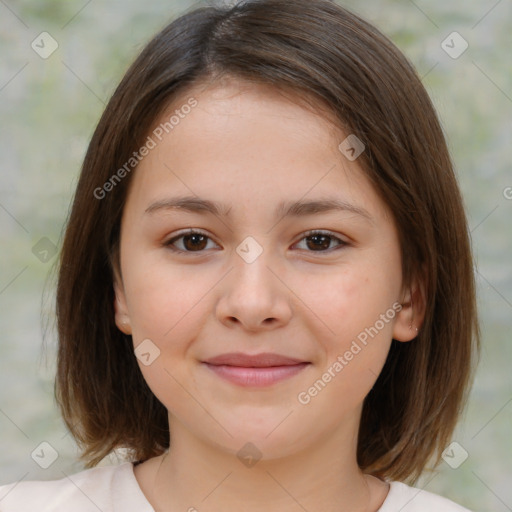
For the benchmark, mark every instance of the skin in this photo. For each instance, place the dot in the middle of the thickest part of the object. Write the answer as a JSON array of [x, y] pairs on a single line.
[[250, 147]]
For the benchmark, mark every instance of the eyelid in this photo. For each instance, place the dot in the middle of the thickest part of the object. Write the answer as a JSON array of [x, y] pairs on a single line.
[[325, 232], [168, 243], [322, 232]]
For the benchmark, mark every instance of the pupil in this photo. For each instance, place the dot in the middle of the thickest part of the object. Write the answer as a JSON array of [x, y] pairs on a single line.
[[325, 244], [194, 244]]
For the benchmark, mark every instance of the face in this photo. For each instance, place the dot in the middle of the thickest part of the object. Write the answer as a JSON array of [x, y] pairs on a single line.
[[278, 269]]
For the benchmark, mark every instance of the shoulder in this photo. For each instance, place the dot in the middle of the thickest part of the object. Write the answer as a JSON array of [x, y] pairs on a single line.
[[108, 488], [404, 498]]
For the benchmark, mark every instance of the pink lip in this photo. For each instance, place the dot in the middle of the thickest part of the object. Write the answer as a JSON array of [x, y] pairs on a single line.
[[256, 377], [255, 370], [265, 359]]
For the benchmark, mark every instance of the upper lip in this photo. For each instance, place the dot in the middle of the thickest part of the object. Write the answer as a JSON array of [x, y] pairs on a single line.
[[265, 359]]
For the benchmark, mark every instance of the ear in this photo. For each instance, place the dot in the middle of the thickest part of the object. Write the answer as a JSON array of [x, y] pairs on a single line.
[[122, 317], [410, 318]]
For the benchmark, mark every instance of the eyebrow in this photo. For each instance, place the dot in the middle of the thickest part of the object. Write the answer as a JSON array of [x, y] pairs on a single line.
[[298, 208]]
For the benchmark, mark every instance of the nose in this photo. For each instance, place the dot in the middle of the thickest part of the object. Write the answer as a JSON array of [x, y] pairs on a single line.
[[253, 297]]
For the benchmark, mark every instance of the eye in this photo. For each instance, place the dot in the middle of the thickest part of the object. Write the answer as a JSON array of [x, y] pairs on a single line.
[[197, 241], [193, 241], [319, 241]]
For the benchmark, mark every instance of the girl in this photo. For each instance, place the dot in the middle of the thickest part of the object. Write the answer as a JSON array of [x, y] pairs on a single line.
[[265, 292]]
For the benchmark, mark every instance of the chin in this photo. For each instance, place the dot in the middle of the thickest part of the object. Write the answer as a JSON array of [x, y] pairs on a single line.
[[262, 437]]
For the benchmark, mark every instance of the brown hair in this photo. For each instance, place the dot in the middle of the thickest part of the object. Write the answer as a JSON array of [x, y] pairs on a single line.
[[311, 48]]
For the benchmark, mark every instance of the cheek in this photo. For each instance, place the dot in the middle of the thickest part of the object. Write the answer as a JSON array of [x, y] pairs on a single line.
[[165, 307], [349, 300], [359, 315], [162, 297], [355, 306]]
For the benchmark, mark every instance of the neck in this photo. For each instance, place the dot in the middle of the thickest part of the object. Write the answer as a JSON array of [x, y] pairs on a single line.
[[195, 475]]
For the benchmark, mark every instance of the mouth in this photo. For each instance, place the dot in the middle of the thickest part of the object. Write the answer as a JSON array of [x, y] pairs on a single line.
[[255, 370]]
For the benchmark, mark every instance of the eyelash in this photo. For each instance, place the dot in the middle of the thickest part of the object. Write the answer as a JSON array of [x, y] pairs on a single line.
[[307, 234]]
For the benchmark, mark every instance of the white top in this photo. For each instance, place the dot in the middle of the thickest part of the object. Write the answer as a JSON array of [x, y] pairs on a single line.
[[115, 489]]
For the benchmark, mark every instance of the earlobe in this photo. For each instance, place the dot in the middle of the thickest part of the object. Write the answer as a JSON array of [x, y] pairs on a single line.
[[122, 318], [410, 318]]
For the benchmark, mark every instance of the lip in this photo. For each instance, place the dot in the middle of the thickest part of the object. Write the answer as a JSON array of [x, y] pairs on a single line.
[[255, 370], [263, 360]]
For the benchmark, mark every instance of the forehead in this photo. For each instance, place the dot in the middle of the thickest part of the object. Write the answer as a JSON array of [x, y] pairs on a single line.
[[245, 142], [229, 89]]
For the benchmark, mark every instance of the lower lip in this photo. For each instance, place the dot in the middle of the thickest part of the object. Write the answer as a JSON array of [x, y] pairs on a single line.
[[256, 377]]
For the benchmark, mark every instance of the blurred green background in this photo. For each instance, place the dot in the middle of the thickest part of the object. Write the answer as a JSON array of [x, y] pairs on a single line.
[[49, 108]]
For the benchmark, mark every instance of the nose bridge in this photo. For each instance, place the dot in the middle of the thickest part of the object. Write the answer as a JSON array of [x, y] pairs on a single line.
[[251, 262], [252, 294]]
